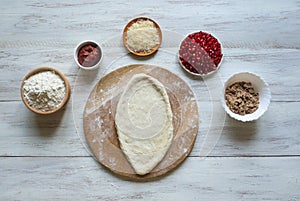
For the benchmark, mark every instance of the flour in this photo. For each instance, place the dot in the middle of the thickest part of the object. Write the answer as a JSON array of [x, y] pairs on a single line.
[[44, 91]]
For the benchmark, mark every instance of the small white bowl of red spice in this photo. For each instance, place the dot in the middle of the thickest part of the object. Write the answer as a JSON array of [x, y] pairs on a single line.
[[200, 53], [88, 55]]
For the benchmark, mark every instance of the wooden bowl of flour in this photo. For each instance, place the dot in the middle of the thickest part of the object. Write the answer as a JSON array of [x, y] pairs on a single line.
[[131, 37], [45, 90]]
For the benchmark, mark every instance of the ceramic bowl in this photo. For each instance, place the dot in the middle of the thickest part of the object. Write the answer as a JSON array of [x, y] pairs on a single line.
[[80, 46], [154, 49], [40, 70], [259, 86]]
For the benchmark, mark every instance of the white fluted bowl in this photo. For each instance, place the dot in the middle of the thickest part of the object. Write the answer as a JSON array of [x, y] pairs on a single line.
[[259, 86]]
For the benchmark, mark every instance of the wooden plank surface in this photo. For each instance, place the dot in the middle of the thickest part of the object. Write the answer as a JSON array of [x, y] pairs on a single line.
[[30, 135], [45, 158], [210, 178], [277, 67], [243, 24]]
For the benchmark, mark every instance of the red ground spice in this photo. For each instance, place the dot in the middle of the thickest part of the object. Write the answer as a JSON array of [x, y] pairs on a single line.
[[89, 55]]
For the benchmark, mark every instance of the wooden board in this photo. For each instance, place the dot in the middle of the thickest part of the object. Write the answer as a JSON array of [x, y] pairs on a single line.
[[99, 126]]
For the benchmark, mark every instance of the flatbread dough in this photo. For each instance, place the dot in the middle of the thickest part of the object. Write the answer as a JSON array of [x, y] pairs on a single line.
[[144, 122]]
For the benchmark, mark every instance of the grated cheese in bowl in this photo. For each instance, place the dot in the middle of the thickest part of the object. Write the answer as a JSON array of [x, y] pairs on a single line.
[[142, 35]]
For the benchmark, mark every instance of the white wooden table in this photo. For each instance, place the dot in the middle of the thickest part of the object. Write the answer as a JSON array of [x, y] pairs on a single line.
[[45, 157]]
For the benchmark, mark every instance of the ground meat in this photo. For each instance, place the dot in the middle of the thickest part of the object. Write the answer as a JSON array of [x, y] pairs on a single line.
[[241, 98]]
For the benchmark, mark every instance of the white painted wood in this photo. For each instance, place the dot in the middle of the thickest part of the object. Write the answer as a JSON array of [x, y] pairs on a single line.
[[43, 158], [27, 134], [228, 178], [277, 66], [245, 24]]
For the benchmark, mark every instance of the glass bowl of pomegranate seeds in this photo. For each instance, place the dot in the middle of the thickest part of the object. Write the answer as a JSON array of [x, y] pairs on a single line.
[[200, 53]]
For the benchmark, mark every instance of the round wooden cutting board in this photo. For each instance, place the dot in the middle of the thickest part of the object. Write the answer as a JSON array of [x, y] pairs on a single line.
[[99, 125]]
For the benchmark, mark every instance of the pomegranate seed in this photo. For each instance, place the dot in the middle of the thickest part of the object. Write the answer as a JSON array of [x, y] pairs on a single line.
[[200, 53]]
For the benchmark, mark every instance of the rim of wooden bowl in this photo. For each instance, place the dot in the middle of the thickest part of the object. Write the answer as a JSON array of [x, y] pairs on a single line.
[[57, 72], [154, 49]]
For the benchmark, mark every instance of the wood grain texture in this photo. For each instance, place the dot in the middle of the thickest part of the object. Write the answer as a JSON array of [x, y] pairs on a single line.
[[276, 66], [47, 159], [254, 24], [26, 134], [256, 178]]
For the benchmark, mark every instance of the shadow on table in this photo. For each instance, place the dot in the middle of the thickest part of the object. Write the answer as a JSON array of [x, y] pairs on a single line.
[[46, 125], [241, 131]]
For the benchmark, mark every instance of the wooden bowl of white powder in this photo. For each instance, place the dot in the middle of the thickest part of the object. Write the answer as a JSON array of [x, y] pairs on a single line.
[[45, 90], [142, 36]]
